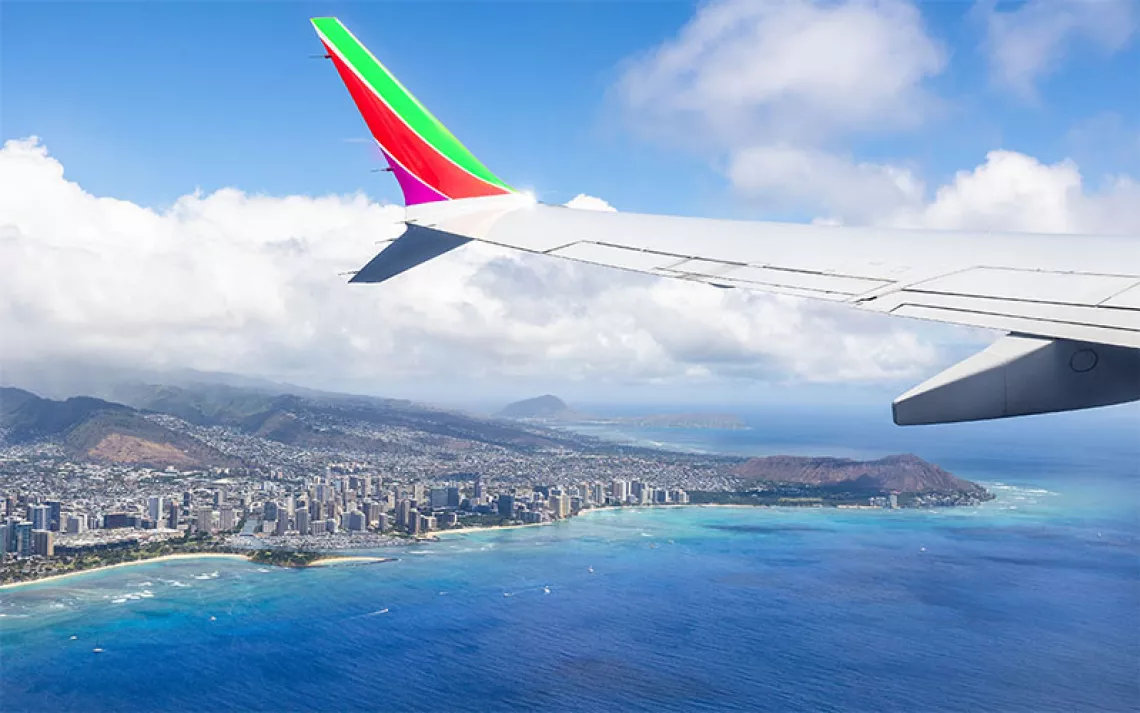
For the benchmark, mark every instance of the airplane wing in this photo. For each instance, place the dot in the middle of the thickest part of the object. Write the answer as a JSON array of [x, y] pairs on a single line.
[[1070, 305]]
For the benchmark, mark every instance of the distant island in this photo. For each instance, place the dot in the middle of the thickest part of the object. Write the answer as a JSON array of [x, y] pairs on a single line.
[[550, 408], [545, 408]]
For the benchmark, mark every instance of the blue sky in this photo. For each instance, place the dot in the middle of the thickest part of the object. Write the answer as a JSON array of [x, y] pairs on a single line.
[[146, 102]]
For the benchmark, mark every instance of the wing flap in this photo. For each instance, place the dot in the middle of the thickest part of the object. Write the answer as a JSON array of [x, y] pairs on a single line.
[[1029, 285]]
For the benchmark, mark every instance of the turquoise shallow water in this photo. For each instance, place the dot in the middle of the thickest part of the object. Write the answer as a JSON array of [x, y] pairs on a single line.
[[1028, 603]]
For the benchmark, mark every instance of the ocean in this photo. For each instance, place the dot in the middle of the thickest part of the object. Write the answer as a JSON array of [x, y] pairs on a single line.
[[1030, 602]]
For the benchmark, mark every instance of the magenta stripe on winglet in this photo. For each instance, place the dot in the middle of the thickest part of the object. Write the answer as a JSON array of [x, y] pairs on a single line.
[[415, 190]]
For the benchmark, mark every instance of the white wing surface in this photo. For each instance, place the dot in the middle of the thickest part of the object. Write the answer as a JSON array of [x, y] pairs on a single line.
[[1084, 288]]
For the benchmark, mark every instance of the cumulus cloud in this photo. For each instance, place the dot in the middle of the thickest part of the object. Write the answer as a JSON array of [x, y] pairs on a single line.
[[585, 202], [794, 69], [1027, 43], [253, 284], [1012, 191], [774, 85], [1008, 191]]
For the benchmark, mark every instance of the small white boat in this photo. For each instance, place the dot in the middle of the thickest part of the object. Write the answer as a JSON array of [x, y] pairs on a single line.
[[591, 570], [546, 590], [97, 650], [213, 618], [73, 638], [506, 594]]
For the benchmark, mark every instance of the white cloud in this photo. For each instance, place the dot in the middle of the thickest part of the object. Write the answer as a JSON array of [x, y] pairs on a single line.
[[772, 85], [1031, 41], [788, 175], [249, 284], [585, 202], [1015, 192], [775, 85], [793, 70]]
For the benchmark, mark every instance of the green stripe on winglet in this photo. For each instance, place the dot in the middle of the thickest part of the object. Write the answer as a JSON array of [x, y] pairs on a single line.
[[400, 99]]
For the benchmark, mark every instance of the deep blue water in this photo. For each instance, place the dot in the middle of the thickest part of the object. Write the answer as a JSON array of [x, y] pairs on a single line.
[[1028, 603]]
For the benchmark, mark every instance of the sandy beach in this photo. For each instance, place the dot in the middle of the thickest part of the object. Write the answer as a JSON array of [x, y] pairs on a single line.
[[164, 558]]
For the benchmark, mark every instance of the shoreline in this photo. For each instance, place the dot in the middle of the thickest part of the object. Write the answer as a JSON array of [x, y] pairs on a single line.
[[346, 559], [322, 562], [133, 563], [331, 560]]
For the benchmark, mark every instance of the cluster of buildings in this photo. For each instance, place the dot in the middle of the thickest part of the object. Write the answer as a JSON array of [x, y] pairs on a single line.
[[334, 504]]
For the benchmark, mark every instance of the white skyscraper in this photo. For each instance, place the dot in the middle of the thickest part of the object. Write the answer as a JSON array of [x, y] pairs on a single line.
[[154, 508]]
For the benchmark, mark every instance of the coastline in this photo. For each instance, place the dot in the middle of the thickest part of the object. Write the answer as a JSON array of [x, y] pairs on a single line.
[[367, 559], [163, 558], [322, 562], [348, 559]]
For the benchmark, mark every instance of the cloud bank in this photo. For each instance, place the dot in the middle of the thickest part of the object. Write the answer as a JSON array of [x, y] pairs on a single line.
[[252, 284]]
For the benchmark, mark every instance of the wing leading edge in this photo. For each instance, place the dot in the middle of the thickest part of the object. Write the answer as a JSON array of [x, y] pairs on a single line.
[[1070, 305]]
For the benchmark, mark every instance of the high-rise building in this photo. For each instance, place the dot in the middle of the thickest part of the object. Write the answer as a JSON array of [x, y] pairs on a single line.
[[43, 543], [40, 516], [404, 508], [282, 523], [356, 521], [413, 522], [22, 542], [620, 491], [116, 520], [269, 510], [302, 518], [479, 490], [204, 521], [154, 507], [55, 513], [559, 506], [187, 499], [645, 497], [438, 498], [423, 524], [227, 518], [383, 522], [172, 510], [506, 505], [452, 497], [598, 493], [894, 501]]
